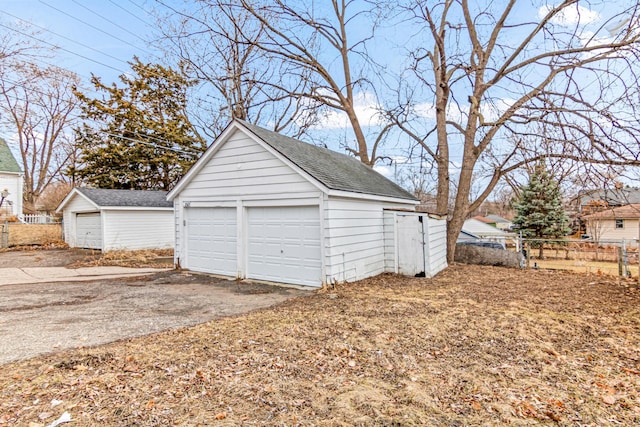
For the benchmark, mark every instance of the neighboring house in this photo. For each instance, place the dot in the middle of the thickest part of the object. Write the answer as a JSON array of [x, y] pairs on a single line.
[[615, 224], [117, 219], [11, 182], [466, 236], [590, 201], [484, 231], [263, 206], [499, 222]]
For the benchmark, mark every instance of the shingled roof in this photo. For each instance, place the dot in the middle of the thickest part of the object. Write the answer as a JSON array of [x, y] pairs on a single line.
[[335, 170], [126, 198], [8, 163]]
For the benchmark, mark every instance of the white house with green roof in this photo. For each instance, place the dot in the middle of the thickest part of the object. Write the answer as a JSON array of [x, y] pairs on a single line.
[[11, 182], [260, 205]]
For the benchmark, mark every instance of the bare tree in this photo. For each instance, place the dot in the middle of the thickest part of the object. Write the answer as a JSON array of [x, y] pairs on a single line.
[[218, 44], [326, 43], [490, 78], [38, 106]]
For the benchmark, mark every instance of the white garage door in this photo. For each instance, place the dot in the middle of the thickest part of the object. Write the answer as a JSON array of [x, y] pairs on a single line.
[[284, 245], [88, 230], [211, 240]]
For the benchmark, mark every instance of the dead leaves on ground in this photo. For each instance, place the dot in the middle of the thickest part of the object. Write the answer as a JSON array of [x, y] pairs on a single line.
[[474, 346]]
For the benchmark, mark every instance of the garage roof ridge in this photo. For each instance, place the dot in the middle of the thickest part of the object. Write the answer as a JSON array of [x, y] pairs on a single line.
[[103, 197], [335, 170]]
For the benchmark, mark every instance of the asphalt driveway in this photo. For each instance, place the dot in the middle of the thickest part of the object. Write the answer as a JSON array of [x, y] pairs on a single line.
[[40, 318]]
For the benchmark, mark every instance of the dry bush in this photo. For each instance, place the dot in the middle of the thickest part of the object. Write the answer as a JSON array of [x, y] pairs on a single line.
[[141, 258]]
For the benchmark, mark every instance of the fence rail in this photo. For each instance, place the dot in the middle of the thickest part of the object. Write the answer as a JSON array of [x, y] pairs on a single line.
[[613, 257], [38, 219]]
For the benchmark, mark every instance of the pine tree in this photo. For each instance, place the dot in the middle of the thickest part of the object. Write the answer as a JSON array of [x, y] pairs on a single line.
[[539, 210], [137, 136]]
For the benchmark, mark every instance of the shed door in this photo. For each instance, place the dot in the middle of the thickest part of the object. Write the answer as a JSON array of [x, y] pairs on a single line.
[[284, 245], [88, 230], [211, 240]]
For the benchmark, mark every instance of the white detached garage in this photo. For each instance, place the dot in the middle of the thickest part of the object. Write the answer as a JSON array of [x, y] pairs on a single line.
[[117, 219], [263, 206]]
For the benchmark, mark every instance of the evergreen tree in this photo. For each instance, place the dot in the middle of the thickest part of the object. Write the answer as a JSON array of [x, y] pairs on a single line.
[[539, 210], [137, 136]]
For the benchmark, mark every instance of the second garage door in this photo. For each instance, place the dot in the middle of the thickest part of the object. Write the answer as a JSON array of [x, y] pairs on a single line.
[[284, 245], [211, 240]]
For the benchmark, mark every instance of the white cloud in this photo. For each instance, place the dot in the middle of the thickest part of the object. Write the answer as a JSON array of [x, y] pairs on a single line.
[[366, 108], [570, 16], [384, 170]]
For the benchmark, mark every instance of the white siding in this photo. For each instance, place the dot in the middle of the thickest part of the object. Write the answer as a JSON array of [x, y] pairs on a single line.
[[137, 229], [243, 169], [436, 249], [75, 205], [404, 235], [389, 242], [241, 173], [354, 238], [605, 230], [12, 183]]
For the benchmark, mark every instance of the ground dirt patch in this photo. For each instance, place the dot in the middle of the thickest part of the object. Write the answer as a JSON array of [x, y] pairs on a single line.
[[473, 346]]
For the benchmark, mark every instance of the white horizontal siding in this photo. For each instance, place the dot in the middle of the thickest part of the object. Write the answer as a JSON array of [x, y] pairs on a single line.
[[605, 229], [436, 231], [13, 184], [354, 235], [135, 230], [243, 168], [177, 224], [389, 242], [77, 204]]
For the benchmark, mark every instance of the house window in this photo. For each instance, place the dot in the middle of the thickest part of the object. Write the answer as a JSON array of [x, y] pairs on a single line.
[[619, 223]]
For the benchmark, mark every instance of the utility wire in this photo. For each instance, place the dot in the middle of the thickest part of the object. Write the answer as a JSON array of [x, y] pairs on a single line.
[[129, 12], [111, 22], [62, 48], [91, 26], [66, 38]]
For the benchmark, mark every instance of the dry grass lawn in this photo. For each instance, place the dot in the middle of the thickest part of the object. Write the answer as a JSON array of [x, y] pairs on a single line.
[[34, 234], [474, 346]]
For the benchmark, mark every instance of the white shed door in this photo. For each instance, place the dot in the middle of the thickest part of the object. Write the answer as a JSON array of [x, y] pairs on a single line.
[[211, 240], [88, 230], [284, 245]]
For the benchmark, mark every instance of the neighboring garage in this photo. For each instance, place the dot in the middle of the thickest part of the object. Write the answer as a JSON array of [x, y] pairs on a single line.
[[117, 219], [263, 206]]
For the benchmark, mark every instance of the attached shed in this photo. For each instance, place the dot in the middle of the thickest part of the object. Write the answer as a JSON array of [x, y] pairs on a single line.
[[117, 219], [263, 206]]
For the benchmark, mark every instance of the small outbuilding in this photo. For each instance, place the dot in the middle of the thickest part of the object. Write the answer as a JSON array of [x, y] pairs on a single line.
[[117, 219], [264, 206]]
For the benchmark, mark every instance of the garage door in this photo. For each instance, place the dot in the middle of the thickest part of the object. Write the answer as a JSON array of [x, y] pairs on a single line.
[[284, 245], [211, 240], [88, 230]]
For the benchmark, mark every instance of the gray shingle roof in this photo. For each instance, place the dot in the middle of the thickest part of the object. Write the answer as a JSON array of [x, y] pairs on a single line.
[[8, 163], [127, 198], [613, 196], [335, 170]]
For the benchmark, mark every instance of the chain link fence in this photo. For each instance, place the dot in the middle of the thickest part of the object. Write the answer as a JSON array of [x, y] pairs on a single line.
[[614, 257]]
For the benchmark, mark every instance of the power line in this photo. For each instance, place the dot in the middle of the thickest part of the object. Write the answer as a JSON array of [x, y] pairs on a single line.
[[91, 26], [110, 21], [66, 38], [129, 12], [61, 48]]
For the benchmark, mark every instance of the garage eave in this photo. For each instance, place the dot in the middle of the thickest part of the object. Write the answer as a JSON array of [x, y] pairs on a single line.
[[70, 196], [365, 196]]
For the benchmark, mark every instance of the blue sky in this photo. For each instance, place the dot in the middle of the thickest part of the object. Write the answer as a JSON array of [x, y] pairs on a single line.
[[100, 36], [94, 36]]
